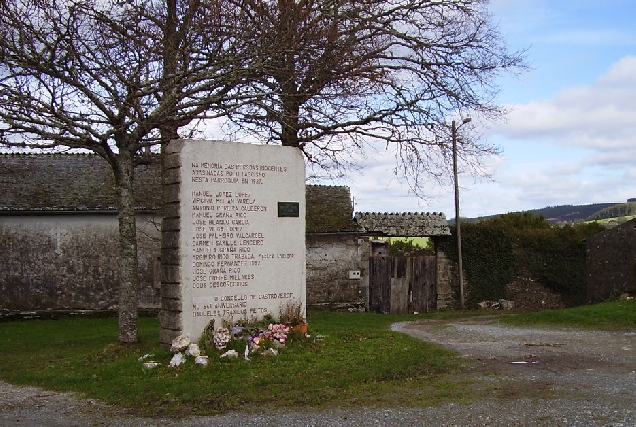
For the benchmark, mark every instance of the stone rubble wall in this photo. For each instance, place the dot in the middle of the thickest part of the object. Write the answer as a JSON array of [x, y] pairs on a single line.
[[525, 293], [530, 295]]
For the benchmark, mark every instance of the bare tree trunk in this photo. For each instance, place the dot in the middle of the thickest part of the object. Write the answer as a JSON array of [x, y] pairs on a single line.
[[135, 96], [290, 123], [128, 266]]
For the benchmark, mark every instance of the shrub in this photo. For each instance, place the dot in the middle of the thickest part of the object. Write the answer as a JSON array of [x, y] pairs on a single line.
[[493, 251], [407, 247]]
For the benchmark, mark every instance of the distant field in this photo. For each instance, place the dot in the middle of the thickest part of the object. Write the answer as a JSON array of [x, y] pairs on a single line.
[[613, 221], [419, 241]]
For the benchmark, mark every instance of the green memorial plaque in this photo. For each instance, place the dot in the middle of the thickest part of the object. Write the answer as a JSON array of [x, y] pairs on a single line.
[[288, 209]]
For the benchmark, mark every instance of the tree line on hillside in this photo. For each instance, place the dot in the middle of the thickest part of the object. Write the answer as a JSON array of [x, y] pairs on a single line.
[[615, 211], [571, 214]]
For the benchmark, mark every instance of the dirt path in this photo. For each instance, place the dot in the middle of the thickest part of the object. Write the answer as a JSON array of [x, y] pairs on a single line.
[[529, 377], [596, 366], [499, 347]]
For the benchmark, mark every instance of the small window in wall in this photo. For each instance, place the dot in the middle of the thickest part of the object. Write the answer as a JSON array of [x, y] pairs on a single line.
[[379, 248]]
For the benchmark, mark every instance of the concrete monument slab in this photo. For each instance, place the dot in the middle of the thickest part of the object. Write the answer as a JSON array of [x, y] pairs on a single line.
[[233, 236]]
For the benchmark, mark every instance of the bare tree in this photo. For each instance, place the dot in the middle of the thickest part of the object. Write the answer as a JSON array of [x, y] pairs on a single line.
[[327, 77], [338, 75], [93, 75]]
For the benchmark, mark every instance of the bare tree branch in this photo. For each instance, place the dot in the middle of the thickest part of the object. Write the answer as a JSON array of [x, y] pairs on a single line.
[[94, 75], [338, 74]]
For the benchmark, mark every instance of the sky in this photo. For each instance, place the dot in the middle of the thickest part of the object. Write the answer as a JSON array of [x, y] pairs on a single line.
[[570, 135]]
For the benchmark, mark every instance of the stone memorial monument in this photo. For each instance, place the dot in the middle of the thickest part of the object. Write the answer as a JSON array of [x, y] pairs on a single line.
[[233, 234]]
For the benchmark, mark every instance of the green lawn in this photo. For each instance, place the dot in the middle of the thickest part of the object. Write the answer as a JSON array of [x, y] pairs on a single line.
[[351, 359], [613, 315]]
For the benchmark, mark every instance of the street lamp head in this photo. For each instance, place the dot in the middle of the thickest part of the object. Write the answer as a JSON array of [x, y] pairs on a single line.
[[467, 119]]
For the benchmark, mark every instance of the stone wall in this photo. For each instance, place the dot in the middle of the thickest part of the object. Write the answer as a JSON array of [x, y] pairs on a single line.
[[59, 262], [526, 293], [62, 262], [446, 282], [330, 258]]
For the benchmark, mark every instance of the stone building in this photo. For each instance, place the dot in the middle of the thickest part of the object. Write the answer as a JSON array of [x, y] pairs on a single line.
[[611, 262], [337, 250], [59, 233]]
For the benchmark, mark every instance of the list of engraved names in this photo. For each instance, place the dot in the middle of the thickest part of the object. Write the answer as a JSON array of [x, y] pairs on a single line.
[[230, 244]]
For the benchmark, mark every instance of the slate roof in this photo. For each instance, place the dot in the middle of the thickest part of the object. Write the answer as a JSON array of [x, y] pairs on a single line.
[[84, 183], [405, 224], [329, 209], [70, 182]]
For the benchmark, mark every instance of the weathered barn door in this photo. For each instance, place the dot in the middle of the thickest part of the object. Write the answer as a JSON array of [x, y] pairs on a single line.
[[380, 272], [424, 284], [399, 285]]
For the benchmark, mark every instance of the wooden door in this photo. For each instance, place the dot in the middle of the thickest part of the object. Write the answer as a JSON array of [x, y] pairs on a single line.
[[401, 285]]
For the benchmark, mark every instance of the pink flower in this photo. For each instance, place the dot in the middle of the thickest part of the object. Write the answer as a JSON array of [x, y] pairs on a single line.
[[277, 332]]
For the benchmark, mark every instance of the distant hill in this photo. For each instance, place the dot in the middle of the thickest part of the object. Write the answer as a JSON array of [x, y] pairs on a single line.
[[566, 214], [615, 211]]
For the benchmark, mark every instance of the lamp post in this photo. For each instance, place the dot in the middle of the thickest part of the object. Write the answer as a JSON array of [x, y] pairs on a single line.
[[457, 220]]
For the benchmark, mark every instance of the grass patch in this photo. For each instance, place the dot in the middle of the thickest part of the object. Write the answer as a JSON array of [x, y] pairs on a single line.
[[351, 359], [612, 315]]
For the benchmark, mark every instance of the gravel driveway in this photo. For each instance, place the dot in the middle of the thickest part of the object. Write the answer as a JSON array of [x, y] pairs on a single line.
[[529, 376]]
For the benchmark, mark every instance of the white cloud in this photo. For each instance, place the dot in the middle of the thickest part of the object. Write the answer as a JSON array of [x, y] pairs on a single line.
[[620, 73], [577, 147], [598, 116]]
